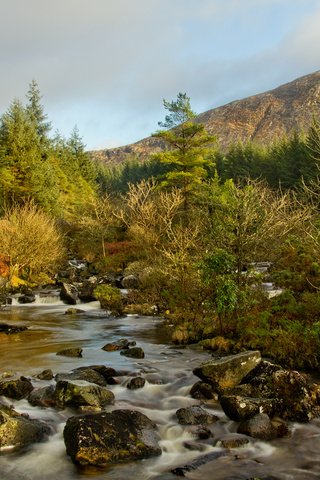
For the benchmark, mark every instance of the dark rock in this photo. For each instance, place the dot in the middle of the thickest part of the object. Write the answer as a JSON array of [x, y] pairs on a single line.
[[227, 372], [106, 438], [86, 292], [83, 373], [241, 408], [8, 329], [81, 394], [195, 415], [198, 462], [45, 375], [259, 426], [134, 352], [202, 391], [17, 431], [26, 298], [16, 389], [71, 352], [135, 383], [43, 397], [69, 294], [107, 372], [194, 446]]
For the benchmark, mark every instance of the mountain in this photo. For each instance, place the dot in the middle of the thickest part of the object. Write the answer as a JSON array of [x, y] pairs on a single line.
[[260, 118]]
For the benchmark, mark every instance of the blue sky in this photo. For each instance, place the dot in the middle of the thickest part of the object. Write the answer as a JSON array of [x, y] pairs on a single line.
[[106, 65]]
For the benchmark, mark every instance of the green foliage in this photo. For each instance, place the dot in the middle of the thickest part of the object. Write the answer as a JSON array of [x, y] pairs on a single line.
[[110, 298]]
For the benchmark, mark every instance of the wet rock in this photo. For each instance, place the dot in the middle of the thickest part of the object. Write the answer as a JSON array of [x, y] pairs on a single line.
[[45, 375], [87, 288], [231, 441], [80, 394], [134, 352], [121, 344], [198, 462], [16, 388], [227, 372], [17, 431], [9, 329], [106, 438], [70, 352], [195, 415], [83, 373], [43, 397], [107, 372], [135, 383], [69, 293], [194, 446], [73, 311], [259, 426], [202, 391], [241, 408], [28, 298]]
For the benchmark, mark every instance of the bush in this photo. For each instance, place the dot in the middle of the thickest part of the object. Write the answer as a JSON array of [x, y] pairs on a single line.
[[110, 298]]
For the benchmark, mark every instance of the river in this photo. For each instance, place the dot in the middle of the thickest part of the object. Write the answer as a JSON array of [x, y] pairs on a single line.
[[168, 373]]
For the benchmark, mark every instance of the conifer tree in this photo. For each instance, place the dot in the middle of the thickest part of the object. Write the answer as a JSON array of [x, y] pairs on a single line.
[[36, 113]]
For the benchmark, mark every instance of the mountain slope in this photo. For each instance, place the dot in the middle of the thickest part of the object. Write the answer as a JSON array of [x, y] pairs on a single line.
[[260, 118]]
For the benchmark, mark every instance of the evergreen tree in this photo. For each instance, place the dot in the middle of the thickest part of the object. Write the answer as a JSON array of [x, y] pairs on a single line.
[[80, 157], [36, 113], [187, 151]]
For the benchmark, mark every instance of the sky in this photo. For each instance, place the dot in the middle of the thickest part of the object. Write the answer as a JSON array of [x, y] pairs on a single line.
[[105, 66]]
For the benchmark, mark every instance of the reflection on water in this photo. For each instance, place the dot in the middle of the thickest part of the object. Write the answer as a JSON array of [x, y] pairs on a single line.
[[168, 374]]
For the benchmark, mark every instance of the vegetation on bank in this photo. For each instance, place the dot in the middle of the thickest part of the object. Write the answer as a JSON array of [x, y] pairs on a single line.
[[190, 224]]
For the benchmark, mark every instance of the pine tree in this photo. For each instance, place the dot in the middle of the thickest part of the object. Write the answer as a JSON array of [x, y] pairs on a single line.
[[36, 113]]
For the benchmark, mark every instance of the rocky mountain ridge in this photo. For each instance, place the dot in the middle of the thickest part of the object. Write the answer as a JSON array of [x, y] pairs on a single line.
[[259, 118]]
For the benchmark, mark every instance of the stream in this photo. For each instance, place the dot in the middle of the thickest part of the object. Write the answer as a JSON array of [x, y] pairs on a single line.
[[168, 373]]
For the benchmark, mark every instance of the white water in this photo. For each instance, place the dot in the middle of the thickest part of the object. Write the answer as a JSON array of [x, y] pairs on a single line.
[[168, 374]]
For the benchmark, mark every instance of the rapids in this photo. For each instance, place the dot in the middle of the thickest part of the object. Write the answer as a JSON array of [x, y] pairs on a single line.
[[168, 373]]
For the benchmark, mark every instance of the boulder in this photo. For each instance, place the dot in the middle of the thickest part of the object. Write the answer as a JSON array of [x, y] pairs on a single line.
[[17, 431], [259, 426], [9, 329], [241, 408], [232, 440], [106, 438], [135, 352], [16, 388], [107, 372], [43, 397], [69, 293], [71, 352], [27, 298], [121, 344], [130, 281], [73, 311], [227, 372], [45, 374], [135, 383], [87, 288], [79, 394], [202, 391], [195, 415], [83, 373]]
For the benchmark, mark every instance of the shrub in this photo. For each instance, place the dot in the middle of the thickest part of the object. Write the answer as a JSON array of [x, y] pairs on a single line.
[[110, 298]]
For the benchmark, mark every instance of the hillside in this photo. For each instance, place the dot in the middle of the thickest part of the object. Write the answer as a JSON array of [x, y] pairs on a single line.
[[260, 118]]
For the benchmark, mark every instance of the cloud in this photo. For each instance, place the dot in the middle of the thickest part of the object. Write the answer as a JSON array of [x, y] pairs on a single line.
[[106, 65]]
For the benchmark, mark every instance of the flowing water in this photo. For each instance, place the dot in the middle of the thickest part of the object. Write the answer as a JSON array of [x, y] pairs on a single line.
[[168, 373]]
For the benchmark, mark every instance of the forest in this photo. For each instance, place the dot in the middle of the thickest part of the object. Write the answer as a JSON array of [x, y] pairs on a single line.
[[190, 224]]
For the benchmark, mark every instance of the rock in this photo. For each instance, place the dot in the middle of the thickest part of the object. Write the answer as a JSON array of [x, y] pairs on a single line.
[[135, 383], [106, 438], [69, 294], [198, 462], [16, 389], [83, 373], [227, 372], [107, 372], [130, 282], [239, 408], [195, 415], [80, 394], [45, 375], [135, 352], [73, 311], [17, 431], [87, 288], [30, 298], [43, 397], [232, 440], [259, 426], [202, 391], [9, 329], [71, 352], [121, 344]]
